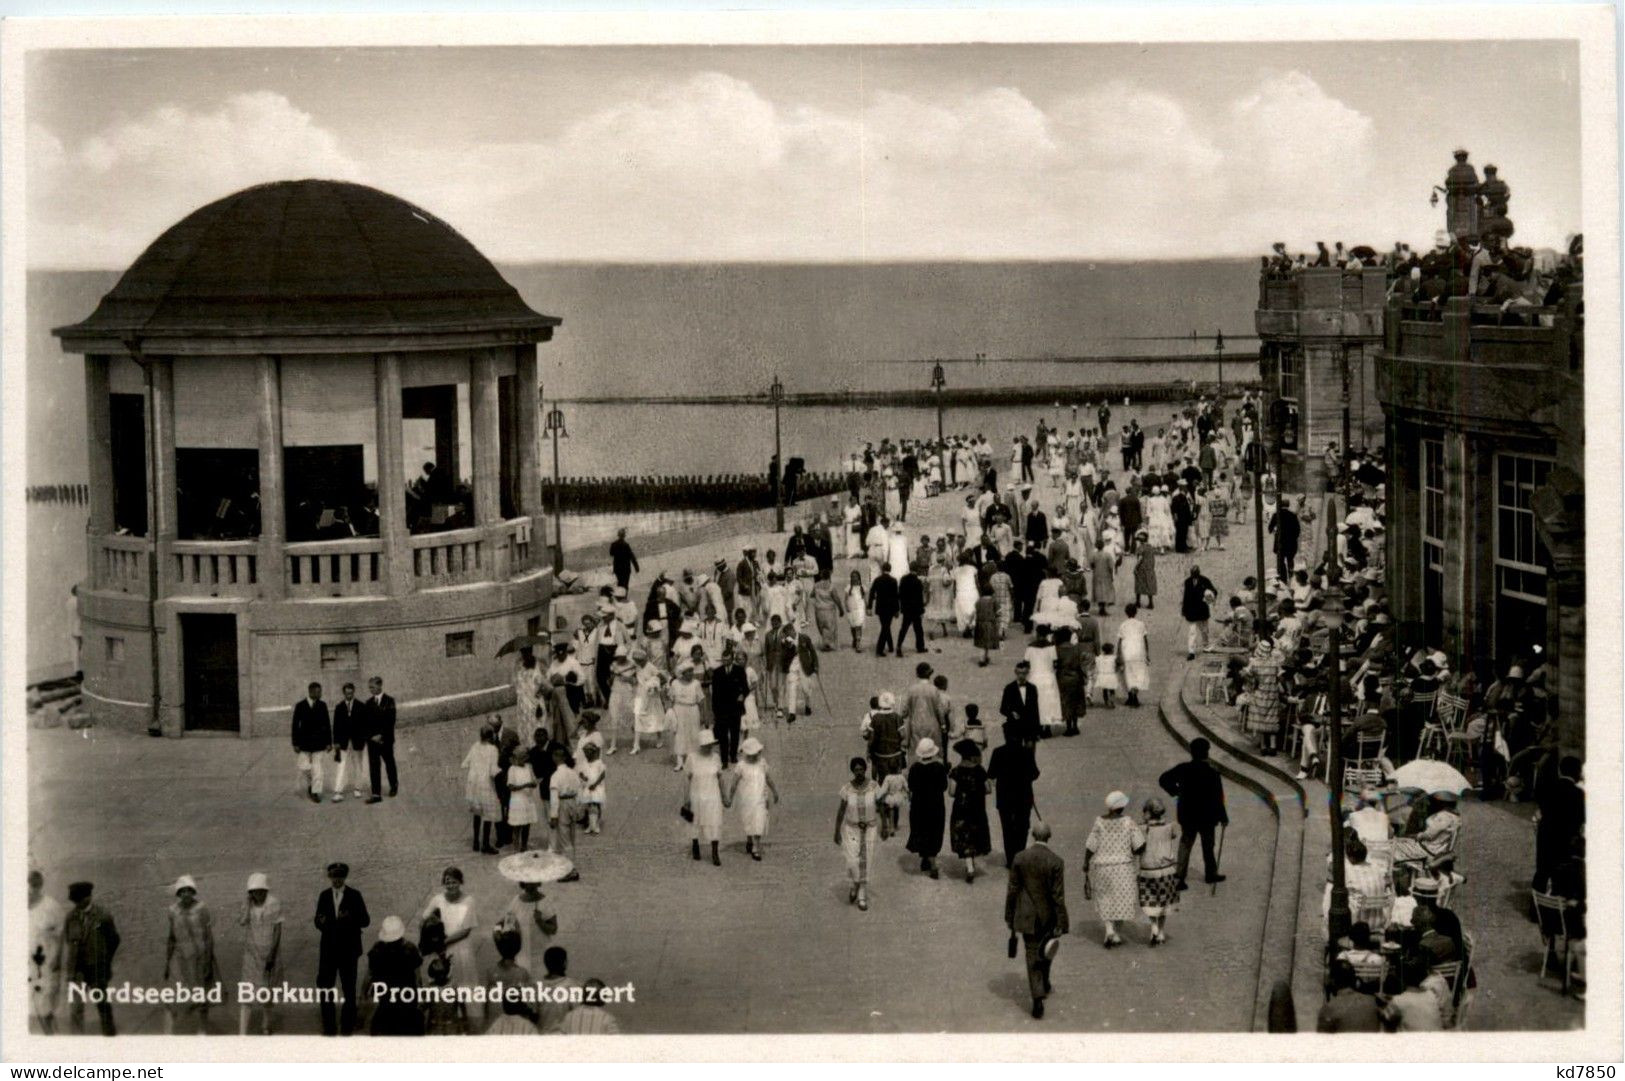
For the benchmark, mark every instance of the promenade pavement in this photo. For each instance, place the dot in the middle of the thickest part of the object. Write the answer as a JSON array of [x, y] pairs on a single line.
[[748, 947]]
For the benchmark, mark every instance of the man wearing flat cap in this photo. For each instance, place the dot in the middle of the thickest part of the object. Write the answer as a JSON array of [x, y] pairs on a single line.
[[341, 913], [89, 941]]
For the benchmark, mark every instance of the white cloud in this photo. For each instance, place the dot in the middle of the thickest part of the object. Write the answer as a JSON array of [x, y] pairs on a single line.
[[104, 199], [712, 168]]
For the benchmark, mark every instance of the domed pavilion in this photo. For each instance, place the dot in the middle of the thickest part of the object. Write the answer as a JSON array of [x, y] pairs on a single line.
[[313, 435]]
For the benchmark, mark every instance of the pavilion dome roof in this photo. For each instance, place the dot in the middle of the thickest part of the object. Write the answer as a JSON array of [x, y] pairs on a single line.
[[308, 258]]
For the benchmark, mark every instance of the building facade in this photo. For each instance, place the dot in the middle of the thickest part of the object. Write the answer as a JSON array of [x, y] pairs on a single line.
[[1320, 331], [313, 421]]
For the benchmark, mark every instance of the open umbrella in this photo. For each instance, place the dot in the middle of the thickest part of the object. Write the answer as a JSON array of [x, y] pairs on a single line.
[[518, 642], [535, 866], [1431, 776]]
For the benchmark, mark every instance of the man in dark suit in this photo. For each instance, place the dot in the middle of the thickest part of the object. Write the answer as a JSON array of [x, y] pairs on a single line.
[[1037, 527], [380, 737], [1035, 908], [1019, 703], [1013, 768], [1180, 507], [1072, 668], [622, 560], [312, 738], [349, 742], [911, 602], [1131, 516], [1199, 792], [340, 915], [1284, 524], [883, 602], [729, 688]]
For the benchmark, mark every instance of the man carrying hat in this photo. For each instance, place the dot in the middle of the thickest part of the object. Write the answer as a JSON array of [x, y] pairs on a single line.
[[341, 913], [1035, 908]]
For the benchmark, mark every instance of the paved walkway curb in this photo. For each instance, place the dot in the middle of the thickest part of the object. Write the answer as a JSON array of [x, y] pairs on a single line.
[[1278, 943]]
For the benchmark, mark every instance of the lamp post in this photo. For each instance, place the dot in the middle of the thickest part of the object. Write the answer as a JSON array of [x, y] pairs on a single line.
[[1218, 347], [1255, 462], [1338, 916], [939, 379], [776, 393], [555, 428]]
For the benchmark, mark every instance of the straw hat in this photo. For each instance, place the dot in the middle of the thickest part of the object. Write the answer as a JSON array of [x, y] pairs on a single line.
[[393, 930], [887, 700], [185, 882], [708, 738], [926, 751], [752, 745], [258, 881], [1116, 801]]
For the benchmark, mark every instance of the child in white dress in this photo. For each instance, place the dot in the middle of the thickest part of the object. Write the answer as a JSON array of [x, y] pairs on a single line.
[[1106, 678], [522, 807], [592, 774], [889, 801]]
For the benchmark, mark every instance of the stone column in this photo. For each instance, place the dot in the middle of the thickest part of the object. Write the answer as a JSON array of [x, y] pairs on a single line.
[[527, 410], [485, 414], [1569, 615], [395, 564], [273, 498], [162, 504], [162, 516]]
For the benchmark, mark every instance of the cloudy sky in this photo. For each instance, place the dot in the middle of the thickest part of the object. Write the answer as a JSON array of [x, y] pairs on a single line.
[[837, 153]]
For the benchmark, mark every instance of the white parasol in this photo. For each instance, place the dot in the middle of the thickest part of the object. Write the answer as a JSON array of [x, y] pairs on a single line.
[[535, 866], [1431, 776]]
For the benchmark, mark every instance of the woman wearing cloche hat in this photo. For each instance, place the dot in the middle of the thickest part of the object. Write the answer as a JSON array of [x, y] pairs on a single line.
[[927, 813], [1110, 866], [189, 952], [753, 790], [261, 920]]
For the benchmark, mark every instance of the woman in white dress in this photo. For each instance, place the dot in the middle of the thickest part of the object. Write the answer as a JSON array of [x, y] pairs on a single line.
[[852, 518], [857, 608], [894, 503], [1160, 520], [649, 707], [685, 714], [460, 920], [705, 797], [1134, 653], [751, 789], [966, 592], [1074, 498], [1041, 656]]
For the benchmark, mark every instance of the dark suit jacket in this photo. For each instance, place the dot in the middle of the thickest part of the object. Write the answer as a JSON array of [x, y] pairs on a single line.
[[1073, 664], [312, 731], [381, 720], [341, 930], [1021, 705], [350, 724], [1037, 528], [1128, 512], [911, 594], [729, 687], [1088, 636], [1035, 902], [1199, 790], [1284, 524], [1013, 770], [883, 596]]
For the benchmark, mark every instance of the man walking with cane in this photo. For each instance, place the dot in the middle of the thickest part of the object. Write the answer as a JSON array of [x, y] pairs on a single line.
[[1199, 792]]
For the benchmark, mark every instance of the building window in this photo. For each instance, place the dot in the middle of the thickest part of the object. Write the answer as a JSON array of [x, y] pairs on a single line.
[[343, 656], [1289, 375], [1433, 540], [460, 644], [115, 650], [1521, 558]]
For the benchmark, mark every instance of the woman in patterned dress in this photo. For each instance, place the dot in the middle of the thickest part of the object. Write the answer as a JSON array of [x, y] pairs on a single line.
[[857, 830], [1159, 862], [967, 823], [1111, 865], [1218, 511], [1264, 703]]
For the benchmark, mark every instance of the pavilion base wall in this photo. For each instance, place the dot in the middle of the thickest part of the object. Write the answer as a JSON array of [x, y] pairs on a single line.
[[408, 641]]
